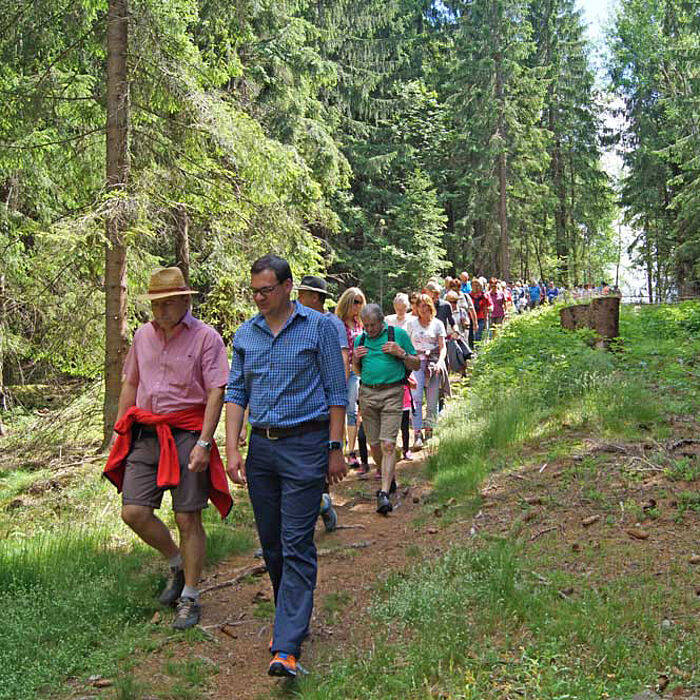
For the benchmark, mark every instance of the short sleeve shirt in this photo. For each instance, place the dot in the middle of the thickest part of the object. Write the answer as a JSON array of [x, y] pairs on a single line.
[[340, 327], [177, 374], [425, 338], [393, 320], [379, 367]]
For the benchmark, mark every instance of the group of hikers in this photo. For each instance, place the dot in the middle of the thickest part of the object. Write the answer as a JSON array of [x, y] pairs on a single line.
[[304, 386]]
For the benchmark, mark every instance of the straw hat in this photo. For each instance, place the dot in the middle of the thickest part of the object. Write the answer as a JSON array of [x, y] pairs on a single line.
[[166, 282], [312, 283]]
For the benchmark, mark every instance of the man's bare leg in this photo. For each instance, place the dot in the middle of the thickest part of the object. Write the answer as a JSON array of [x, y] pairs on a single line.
[[193, 545], [151, 529], [377, 456], [388, 464]]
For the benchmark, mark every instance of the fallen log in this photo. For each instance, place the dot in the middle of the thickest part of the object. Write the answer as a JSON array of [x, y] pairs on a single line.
[[254, 570]]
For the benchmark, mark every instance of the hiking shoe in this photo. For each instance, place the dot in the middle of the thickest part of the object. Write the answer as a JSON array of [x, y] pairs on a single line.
[[328, 514], [284, 665], [188, 614], [353, 462], [383, 503], [363, 470], [417, 442], [408, 455], [173, 588]]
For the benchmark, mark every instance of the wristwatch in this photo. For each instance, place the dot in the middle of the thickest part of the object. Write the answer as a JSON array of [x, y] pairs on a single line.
[[334, 445], [203, 443]]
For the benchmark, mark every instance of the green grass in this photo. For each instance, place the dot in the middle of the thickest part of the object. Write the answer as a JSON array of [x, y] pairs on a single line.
[[68, 605], [479, 624], [489, 621], [77, 588]]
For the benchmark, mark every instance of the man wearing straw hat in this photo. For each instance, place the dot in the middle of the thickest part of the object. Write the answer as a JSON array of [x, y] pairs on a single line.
[[313, 292], [169, 406]]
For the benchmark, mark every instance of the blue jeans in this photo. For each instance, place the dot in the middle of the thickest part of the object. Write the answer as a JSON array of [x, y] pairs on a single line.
[[481, 323], [353, 389], [285, 483], [432, 395]]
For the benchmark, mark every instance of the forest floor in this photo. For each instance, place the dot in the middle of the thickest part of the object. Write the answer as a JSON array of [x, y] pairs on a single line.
[[594, 511], [545, 547]]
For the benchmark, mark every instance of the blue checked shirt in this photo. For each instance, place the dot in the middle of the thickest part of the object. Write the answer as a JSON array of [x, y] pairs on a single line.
[[289, 379]]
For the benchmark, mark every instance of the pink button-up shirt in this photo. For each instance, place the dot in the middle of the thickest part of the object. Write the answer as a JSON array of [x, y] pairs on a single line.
[[176, 374]]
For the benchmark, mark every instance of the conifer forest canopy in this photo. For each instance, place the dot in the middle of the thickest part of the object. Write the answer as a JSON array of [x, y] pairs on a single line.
[[376, 141]]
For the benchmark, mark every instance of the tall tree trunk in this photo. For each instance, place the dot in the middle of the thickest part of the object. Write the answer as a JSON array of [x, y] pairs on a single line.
[[504, 240], [3, 320], [560, 209], [650, 269], [117, 175], [182, 241]]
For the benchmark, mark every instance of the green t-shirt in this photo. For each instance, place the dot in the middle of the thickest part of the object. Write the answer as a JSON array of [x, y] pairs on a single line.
[[379, 367]]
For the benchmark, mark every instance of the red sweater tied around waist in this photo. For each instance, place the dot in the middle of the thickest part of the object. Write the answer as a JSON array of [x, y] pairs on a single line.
[[168, 465]]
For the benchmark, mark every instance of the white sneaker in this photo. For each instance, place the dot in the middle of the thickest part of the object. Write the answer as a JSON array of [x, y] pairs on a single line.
[[417, 443]]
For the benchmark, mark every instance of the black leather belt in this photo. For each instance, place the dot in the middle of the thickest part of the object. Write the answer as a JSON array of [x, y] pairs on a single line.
[[277, 433], [383, 386]]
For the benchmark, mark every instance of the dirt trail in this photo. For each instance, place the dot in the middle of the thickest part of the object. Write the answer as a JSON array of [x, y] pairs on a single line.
[[351, 560], [583, 513]]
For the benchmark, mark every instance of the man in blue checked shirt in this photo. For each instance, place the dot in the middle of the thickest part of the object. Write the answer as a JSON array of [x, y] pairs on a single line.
[[287, 369]]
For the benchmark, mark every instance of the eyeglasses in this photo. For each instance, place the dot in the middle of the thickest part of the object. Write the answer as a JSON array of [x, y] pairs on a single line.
[[357, 301], [263, 291]]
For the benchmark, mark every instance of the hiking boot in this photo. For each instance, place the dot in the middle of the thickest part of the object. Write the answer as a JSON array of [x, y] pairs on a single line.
[[188, 614], [363, 470], [173, 588], [284, 665], [328, 514], [417, 442], [383, 503], [428, 435]]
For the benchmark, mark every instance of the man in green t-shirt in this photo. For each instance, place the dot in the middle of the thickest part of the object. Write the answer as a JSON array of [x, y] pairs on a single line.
[[381, 364]]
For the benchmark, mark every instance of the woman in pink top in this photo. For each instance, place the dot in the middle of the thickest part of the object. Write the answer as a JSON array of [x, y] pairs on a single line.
[[498, 301]]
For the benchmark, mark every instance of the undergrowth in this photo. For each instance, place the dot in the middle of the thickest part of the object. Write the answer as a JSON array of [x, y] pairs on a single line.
[[481, 622], [477, 623], [77, 588]]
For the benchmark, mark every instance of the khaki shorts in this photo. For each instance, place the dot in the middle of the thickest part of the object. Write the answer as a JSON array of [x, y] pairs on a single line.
[[140, 488], [382, 411]]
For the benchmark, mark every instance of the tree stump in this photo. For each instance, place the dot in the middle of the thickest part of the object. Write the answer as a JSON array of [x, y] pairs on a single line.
[[601, 314], [574, 317], [604, 319]]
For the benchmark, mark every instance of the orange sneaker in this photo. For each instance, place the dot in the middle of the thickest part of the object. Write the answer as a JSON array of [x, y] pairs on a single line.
[[283, 665]]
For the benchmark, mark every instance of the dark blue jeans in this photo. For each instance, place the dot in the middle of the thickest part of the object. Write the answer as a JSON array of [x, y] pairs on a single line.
[[481, 324], [285, 483]]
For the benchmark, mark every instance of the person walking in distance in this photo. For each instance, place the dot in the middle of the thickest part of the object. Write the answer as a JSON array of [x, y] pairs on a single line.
[[427, 334], [382, 356], [169, 406], [350, 304], [313, 292], [287, 369]]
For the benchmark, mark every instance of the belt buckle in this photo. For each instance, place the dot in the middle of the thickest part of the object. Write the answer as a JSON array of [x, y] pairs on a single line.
[[268, 436]]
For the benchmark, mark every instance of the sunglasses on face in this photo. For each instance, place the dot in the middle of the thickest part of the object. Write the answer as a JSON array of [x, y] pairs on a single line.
[[357, 301]]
